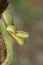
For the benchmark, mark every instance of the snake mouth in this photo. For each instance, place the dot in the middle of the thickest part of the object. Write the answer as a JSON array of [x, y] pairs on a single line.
[[3, 50]]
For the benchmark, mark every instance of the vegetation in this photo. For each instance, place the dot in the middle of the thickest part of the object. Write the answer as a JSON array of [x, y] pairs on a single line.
[[9, 33]]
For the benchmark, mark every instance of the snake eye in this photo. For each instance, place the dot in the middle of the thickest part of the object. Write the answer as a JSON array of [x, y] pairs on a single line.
[[3, 5]]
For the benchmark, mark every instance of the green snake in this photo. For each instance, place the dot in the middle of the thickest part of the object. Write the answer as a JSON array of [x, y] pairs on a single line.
[[9, 32]]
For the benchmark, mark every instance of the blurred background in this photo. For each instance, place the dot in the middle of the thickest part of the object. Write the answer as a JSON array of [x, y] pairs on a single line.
[[28, 16]]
